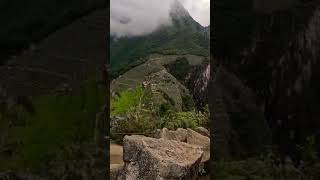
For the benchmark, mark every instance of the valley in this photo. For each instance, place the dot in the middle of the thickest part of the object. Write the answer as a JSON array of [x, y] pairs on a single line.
[[158, 93]]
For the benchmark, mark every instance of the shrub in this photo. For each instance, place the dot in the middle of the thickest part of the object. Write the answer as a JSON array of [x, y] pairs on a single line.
[[133, 112], [189, 119], [127, 100], [141, 119]]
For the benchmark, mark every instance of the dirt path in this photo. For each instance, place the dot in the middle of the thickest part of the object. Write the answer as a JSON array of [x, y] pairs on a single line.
[[116, 154]]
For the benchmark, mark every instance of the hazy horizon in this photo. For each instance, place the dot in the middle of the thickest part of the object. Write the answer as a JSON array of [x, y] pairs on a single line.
[[132, 18]]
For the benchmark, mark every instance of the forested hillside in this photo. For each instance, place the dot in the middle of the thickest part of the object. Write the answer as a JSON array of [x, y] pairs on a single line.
[[183, 36]]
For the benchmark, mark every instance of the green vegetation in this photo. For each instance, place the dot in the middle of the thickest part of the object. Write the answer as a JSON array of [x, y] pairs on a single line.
[[155, 63], [183, 37], [139, 114], [189, 119], [59, 122], [127, 100], [180, 68]]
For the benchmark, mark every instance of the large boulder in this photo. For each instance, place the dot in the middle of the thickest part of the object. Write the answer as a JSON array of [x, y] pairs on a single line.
[[148, 158], [201, 141], [178, 135], [115, 170], [189, 136], [203, 131]]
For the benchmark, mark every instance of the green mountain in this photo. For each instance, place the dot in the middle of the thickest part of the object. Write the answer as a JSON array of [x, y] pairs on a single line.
[[184, 36], [158, 78]]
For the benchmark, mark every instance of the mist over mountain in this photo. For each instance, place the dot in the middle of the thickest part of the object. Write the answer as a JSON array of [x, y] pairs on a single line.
[[183, 36], [144, 17]]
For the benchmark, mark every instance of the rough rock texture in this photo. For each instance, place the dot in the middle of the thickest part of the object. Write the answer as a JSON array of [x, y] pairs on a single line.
[[189, 136], [194, 76], [178, 135], [115, 170], [167, 89], [201, 141], [203, 131], [153, 159]]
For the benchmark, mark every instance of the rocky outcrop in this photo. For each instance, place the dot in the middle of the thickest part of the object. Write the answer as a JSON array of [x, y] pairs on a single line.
[[178, 135], [194, 76], [201, 141], [115, 170], [189, 136], [167, 89], [150, 159], [203, 131]]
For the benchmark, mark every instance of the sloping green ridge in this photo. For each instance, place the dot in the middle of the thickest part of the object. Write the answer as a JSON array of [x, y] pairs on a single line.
[[155, 63], [184, 36]]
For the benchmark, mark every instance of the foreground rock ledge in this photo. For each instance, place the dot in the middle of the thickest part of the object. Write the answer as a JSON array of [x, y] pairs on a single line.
[[189, 136], [158, 159]]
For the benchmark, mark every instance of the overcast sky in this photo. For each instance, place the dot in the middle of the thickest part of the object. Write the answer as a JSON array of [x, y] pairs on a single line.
[[199, 10], [138, 17]]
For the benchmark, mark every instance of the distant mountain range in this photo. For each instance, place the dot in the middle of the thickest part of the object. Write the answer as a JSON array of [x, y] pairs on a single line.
[[174, 59], [184, 36]]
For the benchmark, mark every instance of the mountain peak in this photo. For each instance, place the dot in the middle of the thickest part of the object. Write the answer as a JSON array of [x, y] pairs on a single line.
[[177, 10]]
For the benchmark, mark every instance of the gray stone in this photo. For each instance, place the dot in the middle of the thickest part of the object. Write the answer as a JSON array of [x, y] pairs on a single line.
[[203, 131], [189, 136], [203, 142], [178, 135], [154, 159], [115, 170]]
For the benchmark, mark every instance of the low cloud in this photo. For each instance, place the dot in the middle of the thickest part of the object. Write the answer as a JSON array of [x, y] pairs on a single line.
[[199, 10], [139, 17]]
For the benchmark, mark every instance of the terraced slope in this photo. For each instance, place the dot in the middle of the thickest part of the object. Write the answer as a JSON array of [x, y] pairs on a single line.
[[68, 56], [155, 63], [184, 36]]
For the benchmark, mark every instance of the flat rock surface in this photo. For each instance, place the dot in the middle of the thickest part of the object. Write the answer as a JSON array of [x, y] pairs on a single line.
[[150, 158]]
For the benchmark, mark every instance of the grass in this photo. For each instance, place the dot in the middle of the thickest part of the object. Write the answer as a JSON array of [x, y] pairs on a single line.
[[58, 121], [127, 99]]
